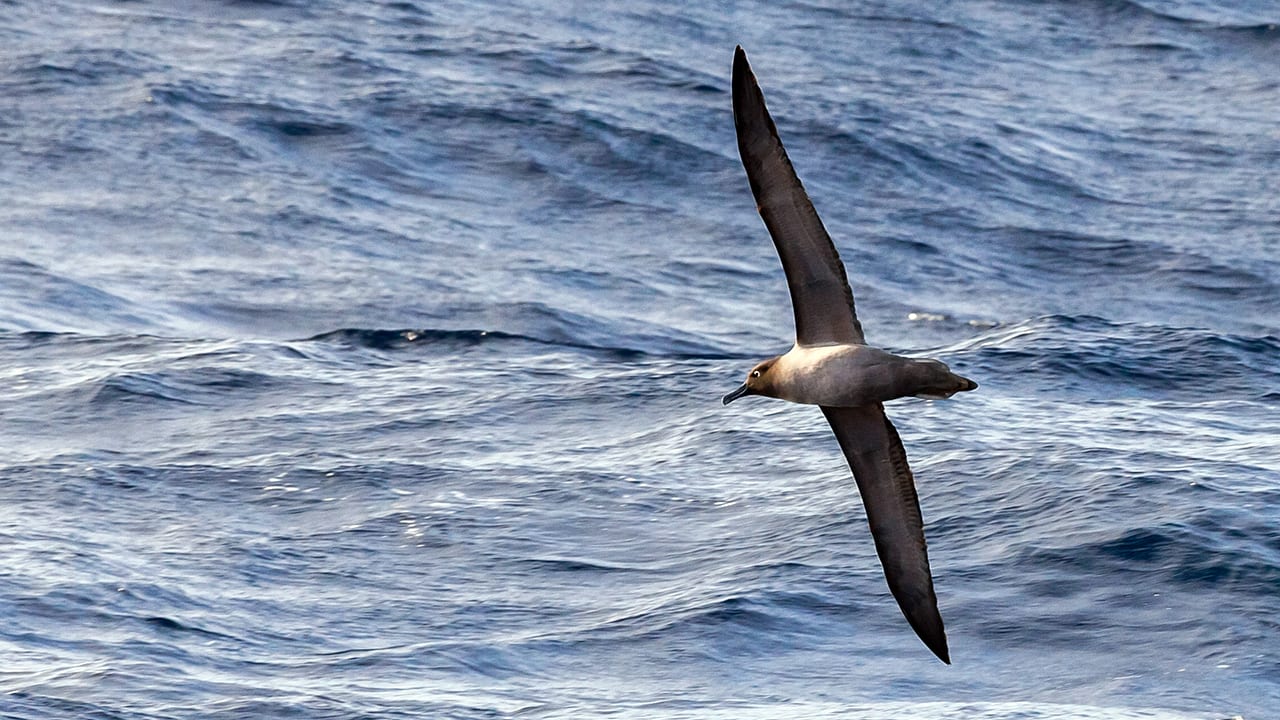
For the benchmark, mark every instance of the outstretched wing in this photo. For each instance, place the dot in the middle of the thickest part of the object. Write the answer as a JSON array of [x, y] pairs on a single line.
[[874, 451], [820, 294]]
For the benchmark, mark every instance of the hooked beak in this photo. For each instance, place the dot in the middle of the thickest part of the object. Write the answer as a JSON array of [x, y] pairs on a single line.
[[739, 392]]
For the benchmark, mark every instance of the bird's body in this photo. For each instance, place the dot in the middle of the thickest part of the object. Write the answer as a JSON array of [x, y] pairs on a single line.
[[832, 366], [853, 375]]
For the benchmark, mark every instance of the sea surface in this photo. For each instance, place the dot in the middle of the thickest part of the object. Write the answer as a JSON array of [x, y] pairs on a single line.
[[364, 360]]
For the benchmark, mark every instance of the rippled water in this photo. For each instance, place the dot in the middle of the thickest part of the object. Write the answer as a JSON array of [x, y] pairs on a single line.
[[364, 360]]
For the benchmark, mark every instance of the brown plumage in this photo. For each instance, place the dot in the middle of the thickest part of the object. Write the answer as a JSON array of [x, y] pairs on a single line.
[[832, 366]]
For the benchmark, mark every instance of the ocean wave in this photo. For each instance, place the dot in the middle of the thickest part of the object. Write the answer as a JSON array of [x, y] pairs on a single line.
[[43, 73], [1248, 16], [1183, 15], [1091, 353], [190, 386], [1211, 552], [540, 324], [891, 710], [452, 340], [35, 298]]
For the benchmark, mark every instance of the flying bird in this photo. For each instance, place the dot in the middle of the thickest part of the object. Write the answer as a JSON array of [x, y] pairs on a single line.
[[832, 366]]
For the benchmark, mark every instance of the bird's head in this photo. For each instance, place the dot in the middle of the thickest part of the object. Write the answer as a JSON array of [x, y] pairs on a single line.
[[759, 382]]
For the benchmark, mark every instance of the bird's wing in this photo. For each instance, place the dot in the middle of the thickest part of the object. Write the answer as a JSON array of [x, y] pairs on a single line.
[[820, 294], [879, 464]]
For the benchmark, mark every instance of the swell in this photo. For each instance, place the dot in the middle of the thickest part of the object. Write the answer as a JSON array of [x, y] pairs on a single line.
[[1231, 17], [48, 73], [33, 296], [453, 340], [1100, 356], [1223, 17], [67, 345], [585, 156], [1207, 553]]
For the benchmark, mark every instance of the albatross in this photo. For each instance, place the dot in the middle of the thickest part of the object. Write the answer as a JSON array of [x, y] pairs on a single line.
[[832, 366]]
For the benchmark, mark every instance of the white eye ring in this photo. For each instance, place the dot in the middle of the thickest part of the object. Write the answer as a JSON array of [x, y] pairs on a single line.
[[755, 373]]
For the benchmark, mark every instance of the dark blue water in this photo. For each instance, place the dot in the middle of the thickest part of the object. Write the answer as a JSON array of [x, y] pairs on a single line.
[[363, 360]]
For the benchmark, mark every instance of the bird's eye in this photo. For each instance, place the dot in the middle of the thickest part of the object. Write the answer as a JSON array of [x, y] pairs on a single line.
[[755, 373]]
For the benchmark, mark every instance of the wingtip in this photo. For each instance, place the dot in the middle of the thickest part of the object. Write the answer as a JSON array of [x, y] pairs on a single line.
[[741, 68], [750, 117], [933, 637], [929, 629], [942, 652]]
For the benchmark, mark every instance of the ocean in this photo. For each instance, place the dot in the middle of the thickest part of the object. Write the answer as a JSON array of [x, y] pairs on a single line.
[[364, 360]]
